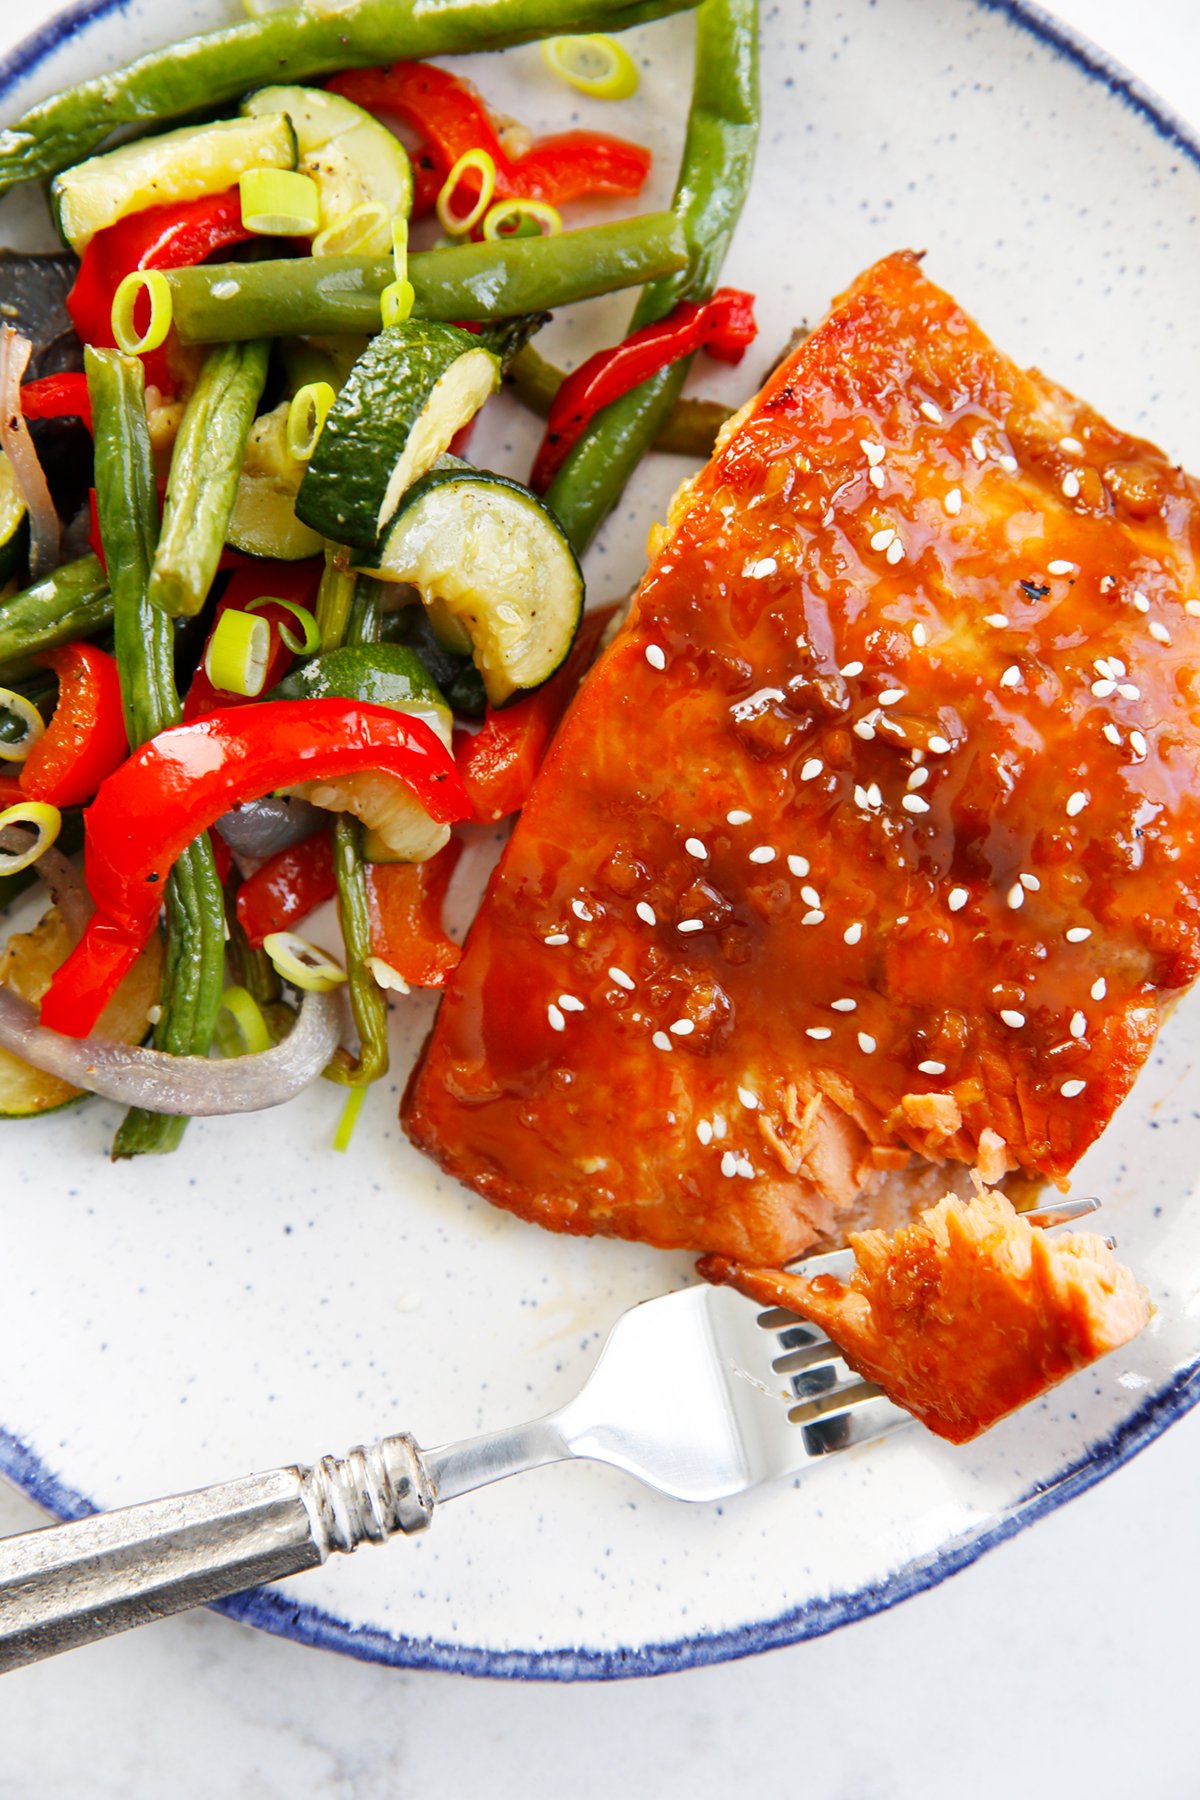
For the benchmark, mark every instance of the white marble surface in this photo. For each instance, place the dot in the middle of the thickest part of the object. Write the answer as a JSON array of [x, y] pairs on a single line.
[[1060, 1663]]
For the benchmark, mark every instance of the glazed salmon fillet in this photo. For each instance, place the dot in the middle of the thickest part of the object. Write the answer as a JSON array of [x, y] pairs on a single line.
[[868, 851], [965, 1314]]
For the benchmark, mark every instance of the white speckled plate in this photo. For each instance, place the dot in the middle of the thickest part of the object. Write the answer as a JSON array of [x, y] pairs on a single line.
[[257, 1299]]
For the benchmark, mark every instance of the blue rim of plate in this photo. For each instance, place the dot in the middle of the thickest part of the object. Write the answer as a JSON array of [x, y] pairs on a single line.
[[271, 1609]]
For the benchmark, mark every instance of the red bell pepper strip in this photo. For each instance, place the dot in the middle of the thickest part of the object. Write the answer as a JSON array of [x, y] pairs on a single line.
[[85, 740], [57, 397], [287, 888], [451, 118], [159, 237], [499, 761], [250, 581], [405, 901], [723, 326], [179, 783]]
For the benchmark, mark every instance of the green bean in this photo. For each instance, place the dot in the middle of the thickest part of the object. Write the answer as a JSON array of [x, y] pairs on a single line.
[[293, 44], [206, 465], [690, 428], [127, 502], [718, 155], [72, 603], [315, 295], [335, 595]]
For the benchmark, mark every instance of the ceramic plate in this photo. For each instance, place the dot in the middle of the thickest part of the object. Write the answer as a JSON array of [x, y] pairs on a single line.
[[258, 1299]]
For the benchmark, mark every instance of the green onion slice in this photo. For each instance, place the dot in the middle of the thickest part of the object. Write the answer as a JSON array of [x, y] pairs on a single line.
[[306, 418], [238, 652], [153, 283], [15, 749], [396, 302], [47, 823], [522, 218], [311, 641], [400, 248], [349, 1118], [595, 65], [250, 1034], [280, 203], [301, 963], [471, 161], [356, 233]]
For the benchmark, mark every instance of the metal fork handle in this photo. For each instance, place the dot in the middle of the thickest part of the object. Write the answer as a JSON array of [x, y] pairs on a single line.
[[66, 1585]]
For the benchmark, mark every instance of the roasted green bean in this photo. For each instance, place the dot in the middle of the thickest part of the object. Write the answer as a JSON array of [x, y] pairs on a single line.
[[72, 603]]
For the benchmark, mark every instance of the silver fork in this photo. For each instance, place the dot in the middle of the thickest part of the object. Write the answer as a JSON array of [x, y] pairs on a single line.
[[700, 1394]]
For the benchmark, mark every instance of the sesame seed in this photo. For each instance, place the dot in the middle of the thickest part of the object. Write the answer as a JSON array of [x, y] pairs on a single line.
[[1062, 567], [1070, 1090], [1015, 1019], [704, 1131], [811, 769], [766, 565], [844, 1006], [748, 1098], [917, 779], [957, 898], [895, 552], [580, 910], [1137, 743], [1103, 689], [890, 696], [874, 453], [656, 656], [853, 933], [1107, 584], [861, 798], [883, 538], [622, 979], [812, 918], [738, 817], [762, 853], [1011, 676], [1030, 883], [1099, 988], [798, 866], [919, 635], [1070, 484], [810, 896], [1008, 463], [1112, 734], [953, 502], [1070, 446], [646, 913], [695, 848], [571, 1003], [1140, 602], [1076, 803], [1192, 608], [874, 795], [728, 1163], [557, 937], [682, 1027], [865, 730], [875, 477], [745, 1167], [851, 669], [690, 925], [1128, 691], [1016, 896], [998, 620], [932, 413], [932, 1068], [1078, 934], [719, 1125], [820, 1032], [1102, 666], [939, 746], [661, 1041], [1158, 632], [978, 448], [557, 1022], [1078, 1025], [915, 803], [866, 1043]]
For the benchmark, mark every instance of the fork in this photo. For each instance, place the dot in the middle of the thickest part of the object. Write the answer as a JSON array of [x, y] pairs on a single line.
[[700, 1394]]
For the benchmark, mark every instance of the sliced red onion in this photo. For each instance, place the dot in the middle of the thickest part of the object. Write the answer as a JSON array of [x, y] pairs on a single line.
[[45, 530], [260, 828], [159, 1082]]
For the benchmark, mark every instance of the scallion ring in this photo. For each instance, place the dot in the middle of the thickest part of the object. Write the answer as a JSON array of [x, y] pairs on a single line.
[[396, 302], [481, 164], [153, 283], [15, 749], [306, 417], [247, 1035], [311, 641], [400, 248], [301, 963], [238, 653], [521, 218], [361, 232], [280, 202], [46, 822], [349, 1118], [595, 65]]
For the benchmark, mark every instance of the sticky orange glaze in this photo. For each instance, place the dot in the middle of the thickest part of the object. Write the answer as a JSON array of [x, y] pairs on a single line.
[[965, 1314], [875, 828]]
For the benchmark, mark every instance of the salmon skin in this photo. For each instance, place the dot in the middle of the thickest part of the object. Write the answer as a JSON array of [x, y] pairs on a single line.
[[868, 850]]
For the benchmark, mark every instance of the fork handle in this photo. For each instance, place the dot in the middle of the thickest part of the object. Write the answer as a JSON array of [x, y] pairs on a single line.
[[66, 1585]]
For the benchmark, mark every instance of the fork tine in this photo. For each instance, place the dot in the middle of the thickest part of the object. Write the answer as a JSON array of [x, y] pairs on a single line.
[[861, 1418]]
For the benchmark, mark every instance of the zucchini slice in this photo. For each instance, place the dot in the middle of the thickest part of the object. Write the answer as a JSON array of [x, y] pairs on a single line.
[[490, 561], [263, 521], [14, 523], [398, 829], [412, 388], [179, 165], [353, 159]]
